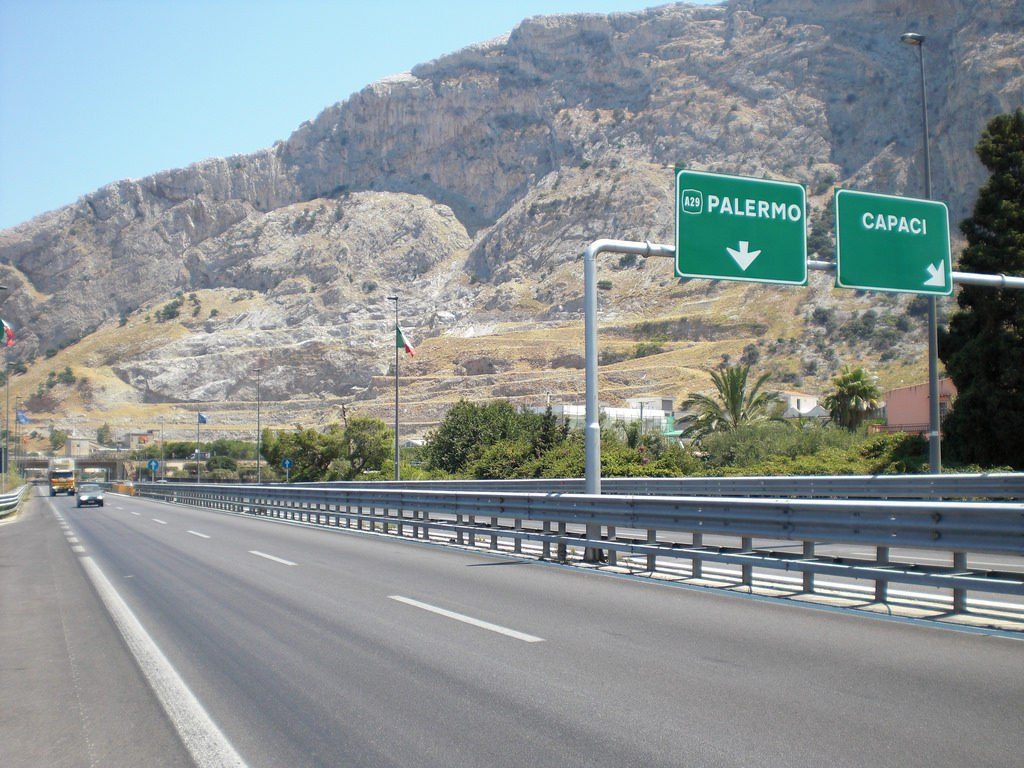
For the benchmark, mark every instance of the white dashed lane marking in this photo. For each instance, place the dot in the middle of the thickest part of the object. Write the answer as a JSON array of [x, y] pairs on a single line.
[[161, 522], [469, 620], [200, 535], [271, 557]]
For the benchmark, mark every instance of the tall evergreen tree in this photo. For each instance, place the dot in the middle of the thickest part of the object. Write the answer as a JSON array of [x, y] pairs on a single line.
[[984, 348]]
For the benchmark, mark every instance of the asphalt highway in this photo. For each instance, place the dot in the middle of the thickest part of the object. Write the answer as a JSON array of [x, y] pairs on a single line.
[[323, 648]]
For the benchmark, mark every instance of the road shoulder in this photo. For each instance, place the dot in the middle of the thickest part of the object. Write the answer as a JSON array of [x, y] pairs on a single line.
[[72, 693]]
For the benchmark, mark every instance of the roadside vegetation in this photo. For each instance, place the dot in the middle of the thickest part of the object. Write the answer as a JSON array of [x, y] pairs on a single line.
[[736, 429]]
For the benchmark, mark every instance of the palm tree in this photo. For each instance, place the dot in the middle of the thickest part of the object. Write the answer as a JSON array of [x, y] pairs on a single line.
[[854, 395], [733, 406]]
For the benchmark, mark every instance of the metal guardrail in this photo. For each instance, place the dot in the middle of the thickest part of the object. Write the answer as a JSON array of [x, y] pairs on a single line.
[[994, 485], [649, 527], [9, 501]]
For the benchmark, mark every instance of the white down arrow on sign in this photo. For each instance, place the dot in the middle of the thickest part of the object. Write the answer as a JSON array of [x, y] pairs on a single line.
[[744, 256]]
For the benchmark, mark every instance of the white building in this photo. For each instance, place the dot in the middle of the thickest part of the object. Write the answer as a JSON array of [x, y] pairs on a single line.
[[800, 405], [655, 413]]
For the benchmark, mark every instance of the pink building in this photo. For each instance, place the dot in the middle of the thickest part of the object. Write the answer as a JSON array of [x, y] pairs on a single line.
[[906, 408]]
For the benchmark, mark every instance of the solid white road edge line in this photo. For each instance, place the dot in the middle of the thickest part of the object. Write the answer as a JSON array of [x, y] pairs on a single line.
[[271, 557], [205, 742], [468, 620], [159, 521], [200, 535]]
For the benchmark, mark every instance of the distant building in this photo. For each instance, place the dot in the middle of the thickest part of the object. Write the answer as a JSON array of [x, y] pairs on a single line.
[[138, 440], [655, 413], [80, 446], [906, 408], [800, 405], [653, 403]]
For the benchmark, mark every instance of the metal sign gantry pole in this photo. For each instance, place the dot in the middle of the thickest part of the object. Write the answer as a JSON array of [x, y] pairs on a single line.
[[592, 430]]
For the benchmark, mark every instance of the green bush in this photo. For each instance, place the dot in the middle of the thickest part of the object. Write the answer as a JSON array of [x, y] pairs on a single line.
[[469, 429], [647, 348], [222, 462], [752, 444], [501, 460], [830, 461], [895, 454], [567, 459], [169, 311]]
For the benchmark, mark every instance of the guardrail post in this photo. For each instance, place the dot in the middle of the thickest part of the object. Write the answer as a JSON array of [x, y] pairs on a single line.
[[881, 585], [696, 565], [459, 538], [517, 545], [563, 555], [545, 549], [808, 576], [494, 535], [400, 528], [959, 595], [747, 545], [472, 532], [652, 538], [613, 558]]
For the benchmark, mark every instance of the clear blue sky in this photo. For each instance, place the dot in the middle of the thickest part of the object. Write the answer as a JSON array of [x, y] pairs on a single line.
[[92, 91]]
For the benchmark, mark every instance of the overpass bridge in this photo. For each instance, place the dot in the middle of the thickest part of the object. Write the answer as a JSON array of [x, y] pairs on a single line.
[[114, 468]]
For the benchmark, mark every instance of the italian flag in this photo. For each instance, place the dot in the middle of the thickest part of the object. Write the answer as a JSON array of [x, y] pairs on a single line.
[[403, 343], [8, 333]]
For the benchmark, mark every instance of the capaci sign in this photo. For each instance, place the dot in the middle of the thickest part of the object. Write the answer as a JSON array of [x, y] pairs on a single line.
[[886, 243]]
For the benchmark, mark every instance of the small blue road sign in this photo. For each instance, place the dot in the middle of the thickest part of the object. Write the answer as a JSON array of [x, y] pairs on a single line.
[[153, 465], [287, 463]]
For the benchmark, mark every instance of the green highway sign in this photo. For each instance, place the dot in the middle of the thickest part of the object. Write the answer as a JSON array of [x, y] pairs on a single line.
[[886, 243], [740, 228]]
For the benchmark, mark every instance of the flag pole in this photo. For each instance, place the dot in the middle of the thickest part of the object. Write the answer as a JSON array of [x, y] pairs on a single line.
[[7, 418], [398, 471]]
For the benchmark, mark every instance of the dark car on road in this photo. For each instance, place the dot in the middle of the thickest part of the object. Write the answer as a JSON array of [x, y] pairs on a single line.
[[90, 493]]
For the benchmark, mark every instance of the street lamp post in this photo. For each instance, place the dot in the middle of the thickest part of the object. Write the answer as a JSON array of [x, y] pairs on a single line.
[[7, 417], [934, 444], [259, 466], [398, 471]]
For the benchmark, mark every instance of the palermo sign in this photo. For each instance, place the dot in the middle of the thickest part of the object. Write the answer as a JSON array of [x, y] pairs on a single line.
[[887, 243], [740, 228]]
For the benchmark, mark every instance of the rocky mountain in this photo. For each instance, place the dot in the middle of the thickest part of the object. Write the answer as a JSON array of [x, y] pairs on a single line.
[[470, 185]]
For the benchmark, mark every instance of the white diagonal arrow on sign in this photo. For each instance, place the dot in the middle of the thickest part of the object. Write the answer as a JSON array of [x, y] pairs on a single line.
[[743, 256], [936, 275]]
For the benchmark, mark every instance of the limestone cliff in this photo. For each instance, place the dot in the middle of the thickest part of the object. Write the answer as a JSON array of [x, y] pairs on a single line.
[[471, 184]]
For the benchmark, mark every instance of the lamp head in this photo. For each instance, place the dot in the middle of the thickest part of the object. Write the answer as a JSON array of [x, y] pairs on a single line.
[[392, 298], [912, 38]]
